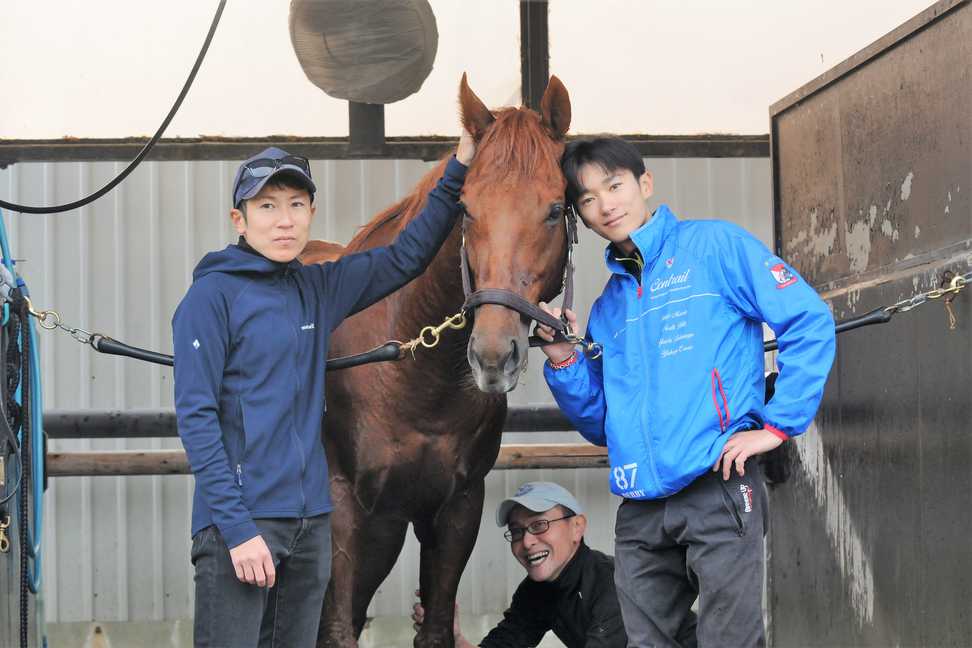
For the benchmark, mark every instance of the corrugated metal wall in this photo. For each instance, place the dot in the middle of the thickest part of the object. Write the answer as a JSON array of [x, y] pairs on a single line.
[[117, 548]]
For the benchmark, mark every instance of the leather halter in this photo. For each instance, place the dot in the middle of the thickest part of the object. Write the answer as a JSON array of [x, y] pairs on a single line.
[[513, 301]]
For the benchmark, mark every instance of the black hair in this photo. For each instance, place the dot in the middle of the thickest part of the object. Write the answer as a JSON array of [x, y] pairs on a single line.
[[610, 153], [283, 180]]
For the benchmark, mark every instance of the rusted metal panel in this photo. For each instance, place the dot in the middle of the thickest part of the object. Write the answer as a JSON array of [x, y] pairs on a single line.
[[872, 167]]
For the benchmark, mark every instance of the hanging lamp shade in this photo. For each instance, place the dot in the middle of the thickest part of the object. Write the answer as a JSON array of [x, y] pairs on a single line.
[[365, 51]]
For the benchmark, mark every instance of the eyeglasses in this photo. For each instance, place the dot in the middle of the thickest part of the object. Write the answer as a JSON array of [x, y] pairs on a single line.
[[535, 528], [265, 166]]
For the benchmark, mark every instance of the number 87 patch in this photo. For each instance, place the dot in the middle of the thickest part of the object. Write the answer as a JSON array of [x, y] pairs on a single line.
[[626, 476]]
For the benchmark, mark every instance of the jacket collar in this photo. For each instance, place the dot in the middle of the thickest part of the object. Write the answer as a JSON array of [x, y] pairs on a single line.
[[649, 239], [569, 579], [244, 245]]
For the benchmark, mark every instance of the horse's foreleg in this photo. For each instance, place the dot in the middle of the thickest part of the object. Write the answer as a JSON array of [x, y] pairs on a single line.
[[365, 548], [446, 545]]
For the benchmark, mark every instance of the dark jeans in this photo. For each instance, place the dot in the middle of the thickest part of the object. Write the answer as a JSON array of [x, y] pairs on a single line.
[[234, 614], [705, 542]]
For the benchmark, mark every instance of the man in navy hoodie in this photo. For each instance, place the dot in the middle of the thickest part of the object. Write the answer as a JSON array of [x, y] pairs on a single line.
[[251, 339]]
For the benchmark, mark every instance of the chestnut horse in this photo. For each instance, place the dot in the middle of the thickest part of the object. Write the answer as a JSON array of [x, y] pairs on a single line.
[[412, 441]]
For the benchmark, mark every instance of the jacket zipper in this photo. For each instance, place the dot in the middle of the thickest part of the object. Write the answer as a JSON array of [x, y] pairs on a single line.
[[293, 429], [242, 457], [641, 346]]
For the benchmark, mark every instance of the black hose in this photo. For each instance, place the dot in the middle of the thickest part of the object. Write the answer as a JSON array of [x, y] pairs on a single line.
[[392, 350], [26, 209], [876, 316], [384, 353], [110, 346]]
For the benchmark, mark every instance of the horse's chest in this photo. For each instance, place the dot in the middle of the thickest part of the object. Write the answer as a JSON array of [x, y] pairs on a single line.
[[417, 470]]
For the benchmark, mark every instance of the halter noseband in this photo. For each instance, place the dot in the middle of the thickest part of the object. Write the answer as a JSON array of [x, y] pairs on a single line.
[[513, 301]]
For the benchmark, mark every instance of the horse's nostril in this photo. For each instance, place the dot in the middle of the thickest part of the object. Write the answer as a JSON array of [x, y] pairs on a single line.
[[513, 358]]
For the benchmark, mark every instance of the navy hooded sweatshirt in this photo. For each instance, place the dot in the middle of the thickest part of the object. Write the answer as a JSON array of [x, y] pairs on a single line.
[[251, 341]]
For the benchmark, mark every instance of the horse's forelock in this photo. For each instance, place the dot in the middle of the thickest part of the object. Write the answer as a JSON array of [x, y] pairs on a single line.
[[517, 145]]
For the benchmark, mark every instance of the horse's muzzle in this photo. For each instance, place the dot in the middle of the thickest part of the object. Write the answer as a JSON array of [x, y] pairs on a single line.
[[497, 360]]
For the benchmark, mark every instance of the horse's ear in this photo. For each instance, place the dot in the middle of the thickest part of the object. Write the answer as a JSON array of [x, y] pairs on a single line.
[[476, 117], [555, 108]]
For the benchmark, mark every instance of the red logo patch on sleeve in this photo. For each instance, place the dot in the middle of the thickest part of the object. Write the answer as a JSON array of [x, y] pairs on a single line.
[[783, 276]]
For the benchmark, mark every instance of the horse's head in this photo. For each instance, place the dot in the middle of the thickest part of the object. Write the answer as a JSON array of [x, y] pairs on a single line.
[[514, 228]]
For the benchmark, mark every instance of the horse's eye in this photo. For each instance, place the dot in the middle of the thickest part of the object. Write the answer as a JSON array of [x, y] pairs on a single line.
[[556, 213]]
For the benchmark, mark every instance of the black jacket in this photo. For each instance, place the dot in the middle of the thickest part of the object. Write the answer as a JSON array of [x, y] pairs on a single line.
[[581, 607]]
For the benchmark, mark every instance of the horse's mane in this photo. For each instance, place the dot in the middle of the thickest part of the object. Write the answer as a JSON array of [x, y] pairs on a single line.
[[516, 145]]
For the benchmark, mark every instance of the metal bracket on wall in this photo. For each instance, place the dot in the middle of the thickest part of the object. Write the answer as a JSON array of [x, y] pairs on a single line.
[[949, 278], [366, 128]]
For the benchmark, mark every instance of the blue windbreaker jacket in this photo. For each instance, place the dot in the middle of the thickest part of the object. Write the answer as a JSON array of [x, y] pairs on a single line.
[[682, 367], [251, 339]]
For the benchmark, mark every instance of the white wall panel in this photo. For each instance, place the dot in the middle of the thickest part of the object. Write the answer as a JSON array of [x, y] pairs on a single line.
[[631, 66]]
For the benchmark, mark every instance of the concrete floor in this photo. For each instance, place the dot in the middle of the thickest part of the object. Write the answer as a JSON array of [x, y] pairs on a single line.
[[382, 632]]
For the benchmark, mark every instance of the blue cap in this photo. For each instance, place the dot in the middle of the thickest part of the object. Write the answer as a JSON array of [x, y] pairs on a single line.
[[257, 170], [537, 497]]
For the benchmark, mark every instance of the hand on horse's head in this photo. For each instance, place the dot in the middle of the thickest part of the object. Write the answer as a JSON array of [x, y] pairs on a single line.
[[466, 150]]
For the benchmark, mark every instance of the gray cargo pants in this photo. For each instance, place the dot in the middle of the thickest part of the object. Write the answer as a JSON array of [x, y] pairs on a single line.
[[705, 542], [234, 614]]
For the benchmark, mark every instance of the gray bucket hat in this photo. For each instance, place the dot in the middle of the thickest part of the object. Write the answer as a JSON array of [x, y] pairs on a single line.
[[537, 497]]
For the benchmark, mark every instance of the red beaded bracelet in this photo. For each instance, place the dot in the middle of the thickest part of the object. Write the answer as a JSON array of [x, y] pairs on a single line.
[[563, 364]]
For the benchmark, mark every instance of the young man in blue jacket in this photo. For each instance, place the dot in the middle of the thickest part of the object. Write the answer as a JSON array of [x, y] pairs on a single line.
[[251, 339], [677, 396]]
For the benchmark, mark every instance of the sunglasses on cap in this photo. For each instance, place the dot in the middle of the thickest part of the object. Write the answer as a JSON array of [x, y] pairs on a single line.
[[265, 166]]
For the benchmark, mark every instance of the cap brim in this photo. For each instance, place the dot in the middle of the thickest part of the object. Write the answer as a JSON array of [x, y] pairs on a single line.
[[531, 503], [292, 172]]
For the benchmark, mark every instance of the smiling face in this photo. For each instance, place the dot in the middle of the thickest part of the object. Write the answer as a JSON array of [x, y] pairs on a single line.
[[544, 556], [276, 222], [612, 202]]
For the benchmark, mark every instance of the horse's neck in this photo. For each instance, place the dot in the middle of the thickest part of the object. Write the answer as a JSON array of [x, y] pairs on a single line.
[[428, 301], [435, 295]]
